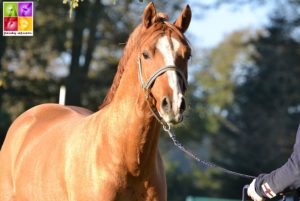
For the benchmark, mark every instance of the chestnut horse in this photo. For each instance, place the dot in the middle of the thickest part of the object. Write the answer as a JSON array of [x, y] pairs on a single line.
[[58, 153]]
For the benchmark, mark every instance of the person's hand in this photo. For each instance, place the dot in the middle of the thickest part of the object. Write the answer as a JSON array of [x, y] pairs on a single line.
[[252, 193]]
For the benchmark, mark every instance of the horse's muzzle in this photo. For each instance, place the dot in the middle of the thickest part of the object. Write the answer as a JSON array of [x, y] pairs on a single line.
[[172, 111]]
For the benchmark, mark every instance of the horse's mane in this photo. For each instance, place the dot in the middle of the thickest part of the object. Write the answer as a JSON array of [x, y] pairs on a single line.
[[159, 28], [129, 48]]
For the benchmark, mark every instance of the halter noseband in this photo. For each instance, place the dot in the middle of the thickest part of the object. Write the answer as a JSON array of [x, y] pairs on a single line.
[[148, 85]]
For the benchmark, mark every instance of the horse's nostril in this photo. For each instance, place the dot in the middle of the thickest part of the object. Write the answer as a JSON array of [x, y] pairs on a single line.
[[182, 105], [165, 104]]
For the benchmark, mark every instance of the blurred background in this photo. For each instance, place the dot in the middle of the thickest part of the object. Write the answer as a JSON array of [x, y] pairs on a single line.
[[244, 93]]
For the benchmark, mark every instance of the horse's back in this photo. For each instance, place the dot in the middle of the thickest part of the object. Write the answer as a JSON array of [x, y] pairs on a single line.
[[36, 130], [37, 121]]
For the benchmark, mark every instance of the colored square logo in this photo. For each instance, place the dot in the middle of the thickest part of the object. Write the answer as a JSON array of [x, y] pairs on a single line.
[[25, 9], [18, 18], [24, 23], [10, 24], [10, 9]]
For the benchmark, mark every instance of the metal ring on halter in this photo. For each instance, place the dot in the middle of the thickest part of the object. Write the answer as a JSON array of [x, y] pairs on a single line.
[[166, 127]]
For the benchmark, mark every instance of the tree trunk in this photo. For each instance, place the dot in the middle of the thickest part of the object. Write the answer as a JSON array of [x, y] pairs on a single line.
[[79, 71], [74, 82]]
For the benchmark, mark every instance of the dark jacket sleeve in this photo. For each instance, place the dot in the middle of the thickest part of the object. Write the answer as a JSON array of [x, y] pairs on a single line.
[[285, 177]]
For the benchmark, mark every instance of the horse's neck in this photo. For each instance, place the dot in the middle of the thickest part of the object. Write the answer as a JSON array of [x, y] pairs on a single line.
[[135, 128]]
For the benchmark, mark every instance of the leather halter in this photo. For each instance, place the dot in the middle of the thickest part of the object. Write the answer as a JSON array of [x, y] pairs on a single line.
[[148, 85]]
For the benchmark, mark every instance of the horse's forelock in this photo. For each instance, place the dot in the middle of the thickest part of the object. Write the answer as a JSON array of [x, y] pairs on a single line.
[[162, 17]]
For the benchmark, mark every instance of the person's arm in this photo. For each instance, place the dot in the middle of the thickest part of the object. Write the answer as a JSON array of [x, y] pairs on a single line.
[[285, 177]]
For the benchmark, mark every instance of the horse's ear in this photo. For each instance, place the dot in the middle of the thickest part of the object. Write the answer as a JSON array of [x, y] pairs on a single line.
[[149, 15], [183, 21]]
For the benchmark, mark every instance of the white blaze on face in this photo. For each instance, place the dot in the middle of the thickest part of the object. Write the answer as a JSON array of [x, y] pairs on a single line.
[[165, 48]]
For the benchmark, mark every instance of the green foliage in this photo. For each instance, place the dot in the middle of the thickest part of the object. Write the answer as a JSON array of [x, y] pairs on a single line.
[[197, 182], [73, 4], [264, 108], [246, 98], [215, 80]]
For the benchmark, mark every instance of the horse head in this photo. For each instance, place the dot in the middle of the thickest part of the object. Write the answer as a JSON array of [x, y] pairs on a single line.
[[163, 56]]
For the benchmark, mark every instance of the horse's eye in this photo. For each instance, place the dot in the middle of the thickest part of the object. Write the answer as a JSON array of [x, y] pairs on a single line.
[[146, 54], [189, 56]]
